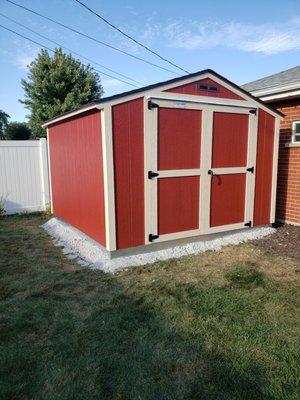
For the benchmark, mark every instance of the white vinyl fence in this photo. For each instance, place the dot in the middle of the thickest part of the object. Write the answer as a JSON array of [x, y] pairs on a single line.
[[24, 179]]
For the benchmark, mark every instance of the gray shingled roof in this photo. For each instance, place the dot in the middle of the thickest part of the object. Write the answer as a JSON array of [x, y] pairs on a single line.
[[284, 77]]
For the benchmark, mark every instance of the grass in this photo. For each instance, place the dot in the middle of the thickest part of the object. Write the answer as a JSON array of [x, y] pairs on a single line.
[[245, 275], [216, 326]]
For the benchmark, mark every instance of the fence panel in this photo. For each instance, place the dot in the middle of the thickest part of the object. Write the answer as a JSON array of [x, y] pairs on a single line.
[[24, 180]]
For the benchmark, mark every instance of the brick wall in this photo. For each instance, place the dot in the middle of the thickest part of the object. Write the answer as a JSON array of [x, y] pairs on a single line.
[[288, 185]]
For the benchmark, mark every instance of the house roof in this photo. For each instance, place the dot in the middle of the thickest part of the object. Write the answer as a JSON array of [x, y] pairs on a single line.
[[286, 77], [97, 104]]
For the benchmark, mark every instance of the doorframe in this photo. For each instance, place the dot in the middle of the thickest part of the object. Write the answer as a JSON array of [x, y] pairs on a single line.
[[150, 164]]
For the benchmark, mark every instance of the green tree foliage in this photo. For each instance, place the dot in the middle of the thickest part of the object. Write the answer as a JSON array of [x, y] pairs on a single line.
[[55, 85], [17, 131], [3, 123]]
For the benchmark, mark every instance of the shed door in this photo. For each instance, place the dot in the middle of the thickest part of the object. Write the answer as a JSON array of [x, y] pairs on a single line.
[[231, 171], [196, 161]]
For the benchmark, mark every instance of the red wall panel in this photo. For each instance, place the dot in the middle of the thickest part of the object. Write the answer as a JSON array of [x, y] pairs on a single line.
[[77, 174], [230, 140], [178, 204], [128, 147], [179, 137], [192, 88], [227, 199], [264, 168]]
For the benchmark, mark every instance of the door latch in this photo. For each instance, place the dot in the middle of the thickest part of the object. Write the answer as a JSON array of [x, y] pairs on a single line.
[[249, 224], [250, 169], [152, 174], [210, 172]]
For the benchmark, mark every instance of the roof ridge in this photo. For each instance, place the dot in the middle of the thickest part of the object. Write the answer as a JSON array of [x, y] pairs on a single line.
[[163, 83]]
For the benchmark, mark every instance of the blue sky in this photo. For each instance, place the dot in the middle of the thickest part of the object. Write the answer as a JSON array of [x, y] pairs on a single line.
[[241, 40]]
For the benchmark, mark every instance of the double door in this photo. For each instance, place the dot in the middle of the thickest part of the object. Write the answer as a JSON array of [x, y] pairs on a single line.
[[199, 169]]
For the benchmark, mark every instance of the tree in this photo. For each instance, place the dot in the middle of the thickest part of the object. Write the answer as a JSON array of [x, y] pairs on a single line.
[[17, 131], [3, 123], [55, 85]]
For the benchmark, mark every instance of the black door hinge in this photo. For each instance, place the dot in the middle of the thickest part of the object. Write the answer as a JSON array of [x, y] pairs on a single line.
[[153, 237], [152, 105], [248, 224], [250, 169], [253, 111], [152, 174]]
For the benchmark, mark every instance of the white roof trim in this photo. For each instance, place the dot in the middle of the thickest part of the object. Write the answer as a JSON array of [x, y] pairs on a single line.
[[160, 91], [202, 100], [72, 114], [276, 89], [280, 96]]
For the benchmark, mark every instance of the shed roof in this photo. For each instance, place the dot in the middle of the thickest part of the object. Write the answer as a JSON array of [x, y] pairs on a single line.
[[288, 76], [198, 74]]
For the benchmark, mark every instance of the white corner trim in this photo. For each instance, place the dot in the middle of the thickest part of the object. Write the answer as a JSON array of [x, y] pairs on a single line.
[[108, 176]]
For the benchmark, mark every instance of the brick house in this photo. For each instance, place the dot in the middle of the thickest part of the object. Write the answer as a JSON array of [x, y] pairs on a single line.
[[282, 91]]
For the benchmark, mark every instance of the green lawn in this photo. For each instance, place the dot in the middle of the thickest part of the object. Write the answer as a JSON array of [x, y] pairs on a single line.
[[219, 325]]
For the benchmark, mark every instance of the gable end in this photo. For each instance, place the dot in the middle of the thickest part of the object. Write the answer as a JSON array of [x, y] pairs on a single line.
[[206, 87]]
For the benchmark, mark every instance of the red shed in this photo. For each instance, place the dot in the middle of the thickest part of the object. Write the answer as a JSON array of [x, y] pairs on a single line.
[[190, 156]]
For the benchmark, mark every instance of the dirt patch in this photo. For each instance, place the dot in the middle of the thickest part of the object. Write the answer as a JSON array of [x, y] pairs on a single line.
[[285, 241]]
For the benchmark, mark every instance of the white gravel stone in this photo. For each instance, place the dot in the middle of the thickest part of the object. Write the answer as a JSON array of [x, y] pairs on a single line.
[[87, 252]]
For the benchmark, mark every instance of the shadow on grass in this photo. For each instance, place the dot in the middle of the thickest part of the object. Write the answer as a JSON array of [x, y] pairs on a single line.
[[76, 334], [111, 345]]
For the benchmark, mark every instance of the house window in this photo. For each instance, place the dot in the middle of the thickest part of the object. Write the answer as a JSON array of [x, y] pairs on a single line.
[[296, 132]]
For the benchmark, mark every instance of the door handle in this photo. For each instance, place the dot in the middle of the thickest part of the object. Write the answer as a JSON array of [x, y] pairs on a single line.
[[210, 172]]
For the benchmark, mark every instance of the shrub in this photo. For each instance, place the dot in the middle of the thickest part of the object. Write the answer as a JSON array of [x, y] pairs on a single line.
[[3, 123], [2, 209], [245, 275], [17, 131]]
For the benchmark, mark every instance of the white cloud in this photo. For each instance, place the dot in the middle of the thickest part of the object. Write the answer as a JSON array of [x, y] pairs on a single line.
[[22, 61], [21, 55], [261, 38]]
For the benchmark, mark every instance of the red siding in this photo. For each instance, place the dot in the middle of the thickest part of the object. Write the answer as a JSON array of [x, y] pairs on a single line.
[[230, 140], [192, 88], [264, 168], [77, 174], [227, 199], [178, 204], [128, 146], [179, 136]]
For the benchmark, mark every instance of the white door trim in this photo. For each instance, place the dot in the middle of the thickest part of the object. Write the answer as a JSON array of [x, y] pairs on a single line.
[[229, 171], [250, 176], [251, 162], [179, 172], [206, 157], [151, 164]]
